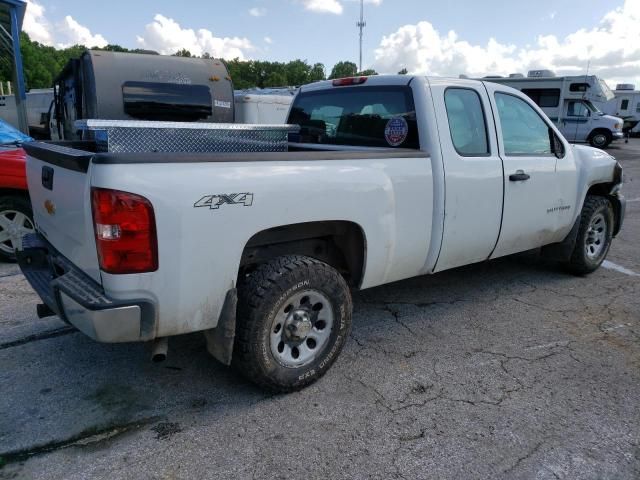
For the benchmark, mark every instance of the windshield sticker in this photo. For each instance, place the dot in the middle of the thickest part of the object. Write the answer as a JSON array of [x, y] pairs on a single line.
[[396, 131]]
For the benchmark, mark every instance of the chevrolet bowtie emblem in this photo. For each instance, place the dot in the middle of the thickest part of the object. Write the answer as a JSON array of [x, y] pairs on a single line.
[[50, 207]]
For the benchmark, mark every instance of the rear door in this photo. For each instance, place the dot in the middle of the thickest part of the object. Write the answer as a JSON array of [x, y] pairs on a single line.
[[534, 205], [473, 172]]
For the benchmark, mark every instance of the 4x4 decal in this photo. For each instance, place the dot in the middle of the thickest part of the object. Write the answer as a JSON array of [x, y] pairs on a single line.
[[215, 201]]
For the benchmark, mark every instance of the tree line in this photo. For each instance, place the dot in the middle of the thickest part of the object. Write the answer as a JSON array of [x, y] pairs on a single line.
[[42, 64]]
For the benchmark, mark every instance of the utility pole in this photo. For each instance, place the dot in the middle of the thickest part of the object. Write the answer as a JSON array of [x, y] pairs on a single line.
[[361, 24]]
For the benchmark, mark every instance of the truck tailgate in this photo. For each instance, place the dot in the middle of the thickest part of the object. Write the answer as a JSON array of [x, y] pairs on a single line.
[[59, 186]]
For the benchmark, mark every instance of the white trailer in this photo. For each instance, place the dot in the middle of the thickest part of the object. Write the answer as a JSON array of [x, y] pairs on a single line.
[[571, 103], [263, 106], [38, 105], [626, 105]]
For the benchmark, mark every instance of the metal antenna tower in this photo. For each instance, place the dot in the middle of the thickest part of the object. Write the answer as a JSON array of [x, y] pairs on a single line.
[[361, 24]]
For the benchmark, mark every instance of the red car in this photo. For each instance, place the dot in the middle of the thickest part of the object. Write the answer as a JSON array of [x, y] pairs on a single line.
[[16, 218]]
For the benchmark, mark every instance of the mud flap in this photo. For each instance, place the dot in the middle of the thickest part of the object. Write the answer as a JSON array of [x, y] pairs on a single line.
[[220, 339], [562, 251]]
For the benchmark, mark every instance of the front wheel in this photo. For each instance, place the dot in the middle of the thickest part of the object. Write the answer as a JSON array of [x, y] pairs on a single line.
[[16, 220], [294, 317], [600, 139], [594, 236]]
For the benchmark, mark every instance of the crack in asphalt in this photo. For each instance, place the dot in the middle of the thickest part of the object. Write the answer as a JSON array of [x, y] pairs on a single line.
[[524, 458], [58, 332], [89, 437]]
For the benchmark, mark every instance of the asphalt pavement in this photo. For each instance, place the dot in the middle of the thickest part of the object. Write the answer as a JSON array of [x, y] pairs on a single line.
[[507, 369]]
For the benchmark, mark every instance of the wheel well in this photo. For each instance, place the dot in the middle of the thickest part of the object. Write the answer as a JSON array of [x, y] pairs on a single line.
[[340, 244], [598, 130], [14, 192], [604, 190]]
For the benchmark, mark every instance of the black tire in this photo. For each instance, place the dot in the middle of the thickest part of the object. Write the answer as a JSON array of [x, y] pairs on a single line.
[[582, 262], [263, 298], [600, 139], [9, 205]]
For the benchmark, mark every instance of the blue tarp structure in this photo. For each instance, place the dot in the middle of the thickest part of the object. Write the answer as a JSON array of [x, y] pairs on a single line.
[[11, 16], [10, 135]]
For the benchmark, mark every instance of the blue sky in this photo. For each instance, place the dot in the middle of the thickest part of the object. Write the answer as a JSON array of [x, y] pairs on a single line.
[[489, 35]]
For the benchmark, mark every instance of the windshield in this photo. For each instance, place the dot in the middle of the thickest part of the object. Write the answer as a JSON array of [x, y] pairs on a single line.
[[592, 107]]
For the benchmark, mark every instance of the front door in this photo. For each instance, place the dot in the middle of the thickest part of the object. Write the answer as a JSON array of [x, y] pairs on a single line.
[[534, 209], [576, 124]]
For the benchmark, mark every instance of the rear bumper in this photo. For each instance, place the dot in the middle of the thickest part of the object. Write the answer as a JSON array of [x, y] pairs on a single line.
[[79, 300]]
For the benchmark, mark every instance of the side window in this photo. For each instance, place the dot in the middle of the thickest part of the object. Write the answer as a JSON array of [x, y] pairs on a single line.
[[466, 122], [624, 105], [638, 107], [579, 87], [577, 109], [544, 97], [523, 130]]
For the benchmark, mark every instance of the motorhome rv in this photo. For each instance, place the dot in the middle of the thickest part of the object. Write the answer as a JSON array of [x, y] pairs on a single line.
[[570, 102], [626, 105]]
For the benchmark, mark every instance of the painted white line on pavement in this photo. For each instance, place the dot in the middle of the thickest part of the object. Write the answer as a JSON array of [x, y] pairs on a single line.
[[618, 268], [633, 200]]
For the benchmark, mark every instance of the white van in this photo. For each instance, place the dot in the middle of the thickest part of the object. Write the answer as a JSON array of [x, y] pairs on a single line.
[[570, 102]]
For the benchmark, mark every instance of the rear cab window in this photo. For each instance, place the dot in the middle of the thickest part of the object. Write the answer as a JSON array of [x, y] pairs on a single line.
[[365, 116]]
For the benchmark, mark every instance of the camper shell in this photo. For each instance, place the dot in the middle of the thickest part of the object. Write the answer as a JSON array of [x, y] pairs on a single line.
[[571, 102], [140, 86]]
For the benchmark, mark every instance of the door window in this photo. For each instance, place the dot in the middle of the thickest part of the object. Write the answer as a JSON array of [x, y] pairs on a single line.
[[577, 109], [624, 105], [524, 132], [467, 123]]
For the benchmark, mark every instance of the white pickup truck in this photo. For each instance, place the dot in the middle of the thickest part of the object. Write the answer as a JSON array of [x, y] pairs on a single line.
[[389, 177]]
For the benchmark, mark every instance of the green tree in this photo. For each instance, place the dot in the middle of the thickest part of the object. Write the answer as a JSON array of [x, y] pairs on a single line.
[[404, 71], [182, 53], [368, 72], [317, 73], [343, 69], [297, 72]]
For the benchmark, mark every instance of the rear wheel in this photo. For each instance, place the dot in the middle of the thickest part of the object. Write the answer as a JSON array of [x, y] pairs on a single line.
[[600, 139], [594, 235], [16, 220], [294, 317]]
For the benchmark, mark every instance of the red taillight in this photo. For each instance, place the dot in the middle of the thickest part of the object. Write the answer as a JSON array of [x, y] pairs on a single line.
[[125, 229], [341, 82]]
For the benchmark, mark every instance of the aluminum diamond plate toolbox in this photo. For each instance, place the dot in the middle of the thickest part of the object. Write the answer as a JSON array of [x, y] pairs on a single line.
[[128, 136]]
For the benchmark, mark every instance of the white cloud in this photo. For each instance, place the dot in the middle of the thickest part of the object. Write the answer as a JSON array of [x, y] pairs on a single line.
[[332, 6], [552, 15], [166, 36], [268, 40], [73, 33], [323, 6], [257, 12], [611, 49], [35, 23], [63, 34]]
